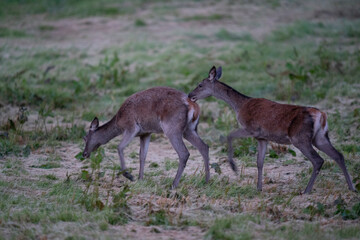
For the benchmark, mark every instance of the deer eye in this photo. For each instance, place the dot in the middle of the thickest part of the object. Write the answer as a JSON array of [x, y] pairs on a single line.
[[200, 85]]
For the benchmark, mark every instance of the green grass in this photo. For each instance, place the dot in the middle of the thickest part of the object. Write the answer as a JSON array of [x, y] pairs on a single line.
[[225, 35], [155, 43], [171, 164], [210, 17], [247, 227], [48, 165], [11, 33], [140, 23], [45, 28], [239, 227], [68, 8]]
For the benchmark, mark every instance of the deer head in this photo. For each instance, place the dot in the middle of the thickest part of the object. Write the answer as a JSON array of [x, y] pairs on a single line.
[[206, 87], [91, 141]]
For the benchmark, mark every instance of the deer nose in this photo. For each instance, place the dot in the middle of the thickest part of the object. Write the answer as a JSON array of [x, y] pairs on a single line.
[[85, 155]]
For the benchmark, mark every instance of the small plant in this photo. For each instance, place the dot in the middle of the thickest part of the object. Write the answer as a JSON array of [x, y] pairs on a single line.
[[48, 165], [216, 167], [9, 146], [243, 147], [91, 199], [140, 23], [44, 112], [160, 217], [154, 165], [273, 154], [51, 177], [319, 209], [345, 213], [120, 210]]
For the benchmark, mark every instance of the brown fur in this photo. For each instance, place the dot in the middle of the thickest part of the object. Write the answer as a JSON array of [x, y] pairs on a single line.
[[265, 120], [155, 110]]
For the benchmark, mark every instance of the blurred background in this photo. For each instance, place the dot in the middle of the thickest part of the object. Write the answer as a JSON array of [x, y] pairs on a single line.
[[63, 62]]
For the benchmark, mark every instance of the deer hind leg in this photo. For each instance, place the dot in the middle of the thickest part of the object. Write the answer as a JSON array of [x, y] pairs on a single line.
[[127, 137], [144, 146], [239, 133], [178, 144], [260, 161], [317, 162], [322, 142], [192, 136]]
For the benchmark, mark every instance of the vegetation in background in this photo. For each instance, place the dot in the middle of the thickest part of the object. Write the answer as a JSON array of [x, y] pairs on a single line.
[[55, 89]]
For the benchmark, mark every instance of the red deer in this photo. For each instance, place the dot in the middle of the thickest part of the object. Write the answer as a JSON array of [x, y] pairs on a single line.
[[155, 110], [265, 120]]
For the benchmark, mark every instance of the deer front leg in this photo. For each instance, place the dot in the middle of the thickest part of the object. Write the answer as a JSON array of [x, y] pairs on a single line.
[[260, 161], [144, 146], [239, 133], [127, 137]]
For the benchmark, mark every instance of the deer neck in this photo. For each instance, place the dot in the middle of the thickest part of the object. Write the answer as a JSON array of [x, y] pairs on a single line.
[[229, 95], [108, 131]]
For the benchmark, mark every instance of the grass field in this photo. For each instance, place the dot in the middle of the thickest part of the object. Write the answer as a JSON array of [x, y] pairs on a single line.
[[64, 62]]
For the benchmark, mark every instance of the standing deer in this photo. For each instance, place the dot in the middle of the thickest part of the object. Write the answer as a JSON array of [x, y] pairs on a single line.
[[265, 120], [155, 110]]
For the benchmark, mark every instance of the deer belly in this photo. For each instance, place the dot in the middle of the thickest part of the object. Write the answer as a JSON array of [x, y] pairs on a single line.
[[278, 138], [150, 127]]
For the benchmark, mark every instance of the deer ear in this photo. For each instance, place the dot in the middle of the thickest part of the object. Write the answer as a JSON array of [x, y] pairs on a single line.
[[94, 124], [212, 74], [218, 73]]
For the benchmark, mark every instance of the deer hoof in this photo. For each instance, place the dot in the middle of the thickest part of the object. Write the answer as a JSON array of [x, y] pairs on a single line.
[[128, 176], [233, 165]]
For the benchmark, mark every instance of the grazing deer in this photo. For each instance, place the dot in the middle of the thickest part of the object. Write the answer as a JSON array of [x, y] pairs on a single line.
[[265, 120], [155, 110]]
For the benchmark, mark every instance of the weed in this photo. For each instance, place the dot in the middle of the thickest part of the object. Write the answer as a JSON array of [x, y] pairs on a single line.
[[50, 177], [48, 165], [91, 199], [319, 209], [9, 146], [5, 32], [45, 28], [159, 217], [154, 165], [212, 17], [216, 167], [243, 147], [140, 23], [116, 218], [345, 213], [273, 154]]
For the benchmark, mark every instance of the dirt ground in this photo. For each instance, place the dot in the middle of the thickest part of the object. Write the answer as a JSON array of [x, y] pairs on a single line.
[[94, 34]]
